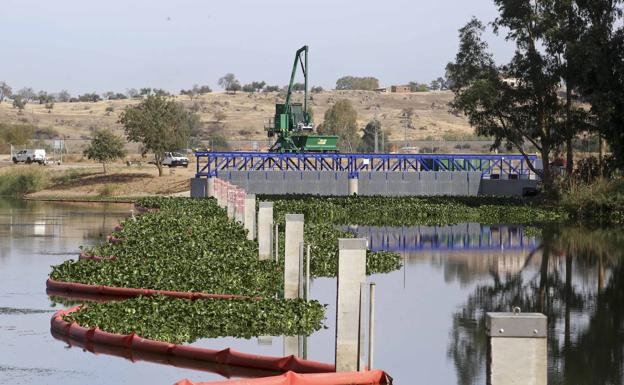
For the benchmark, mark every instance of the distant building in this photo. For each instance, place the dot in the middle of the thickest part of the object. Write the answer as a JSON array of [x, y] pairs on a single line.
[[384, 89], [512, 82], [401, 89]]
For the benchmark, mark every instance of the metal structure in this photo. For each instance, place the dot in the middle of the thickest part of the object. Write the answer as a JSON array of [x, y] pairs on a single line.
[[209, 164], [447, 238], [292, 123]]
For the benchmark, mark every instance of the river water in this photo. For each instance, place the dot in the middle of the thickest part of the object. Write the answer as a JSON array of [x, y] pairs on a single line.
[[430, 314]]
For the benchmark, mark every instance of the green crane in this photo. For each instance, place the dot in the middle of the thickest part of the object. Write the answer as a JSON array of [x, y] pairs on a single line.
[[292, 124]]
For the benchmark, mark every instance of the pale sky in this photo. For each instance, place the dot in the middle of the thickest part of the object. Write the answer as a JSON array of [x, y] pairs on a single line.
[[113, 45]]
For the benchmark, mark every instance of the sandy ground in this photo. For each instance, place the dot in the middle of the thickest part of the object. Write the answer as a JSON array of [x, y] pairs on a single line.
[[79, 180]]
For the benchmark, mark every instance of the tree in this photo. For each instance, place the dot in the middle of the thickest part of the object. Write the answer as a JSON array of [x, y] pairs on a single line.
[[271, 88], [249, 88], [317, 89], [90, 97], [527, 111], [105, 147], [19, 102], [418, 87], [229, 83], [132, 93], [27, 93], [298, 87], [159, 123], [258, 86], [372, 130], [367, 83], [63, 96], [5, 91], [44, 98], [341, 120], [435, 85], [600, 49]]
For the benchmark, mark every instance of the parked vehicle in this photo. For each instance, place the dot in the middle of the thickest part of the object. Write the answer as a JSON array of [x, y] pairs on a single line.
[[174, 159], [30, 156]]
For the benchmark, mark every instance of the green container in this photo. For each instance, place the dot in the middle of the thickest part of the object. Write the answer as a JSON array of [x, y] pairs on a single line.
[[316, 143]]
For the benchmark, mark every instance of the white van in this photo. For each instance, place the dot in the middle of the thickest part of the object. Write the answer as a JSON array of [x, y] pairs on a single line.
[[30, 156]]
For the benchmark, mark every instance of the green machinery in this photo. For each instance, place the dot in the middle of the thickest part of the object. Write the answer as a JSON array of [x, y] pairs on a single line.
[[292, 124]]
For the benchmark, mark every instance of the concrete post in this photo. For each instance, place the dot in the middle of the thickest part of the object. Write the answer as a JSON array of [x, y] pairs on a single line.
[[291, 346], [265, 226], [239, 211], [353, 186], [351, 273], [293, 240], [517, 353], [210, 190], [231, 201], [250, 216]]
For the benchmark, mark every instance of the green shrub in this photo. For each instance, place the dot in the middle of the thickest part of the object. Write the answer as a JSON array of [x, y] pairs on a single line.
[[23, 180]]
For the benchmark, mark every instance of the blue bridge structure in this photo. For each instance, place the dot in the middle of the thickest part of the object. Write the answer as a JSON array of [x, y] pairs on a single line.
[[210, 164], [368, 174]]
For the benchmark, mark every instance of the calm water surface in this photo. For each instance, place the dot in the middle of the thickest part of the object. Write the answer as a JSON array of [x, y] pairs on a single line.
[[430, 314]]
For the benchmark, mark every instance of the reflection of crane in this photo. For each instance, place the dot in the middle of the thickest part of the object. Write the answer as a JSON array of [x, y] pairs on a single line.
[[292, 123]]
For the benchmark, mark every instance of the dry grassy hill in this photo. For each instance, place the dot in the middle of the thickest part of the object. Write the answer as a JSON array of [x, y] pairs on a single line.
[[245, 114]]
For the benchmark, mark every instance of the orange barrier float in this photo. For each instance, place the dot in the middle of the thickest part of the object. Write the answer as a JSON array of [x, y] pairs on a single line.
[[132, 342], [82, 288], [373, 377]]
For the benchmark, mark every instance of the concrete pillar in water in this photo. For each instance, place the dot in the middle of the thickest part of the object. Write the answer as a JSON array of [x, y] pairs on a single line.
[[250, 216], [265, 226], [517, 353], [353, 186], [231, 201], [351, 273], [210, 190], [292, 243]]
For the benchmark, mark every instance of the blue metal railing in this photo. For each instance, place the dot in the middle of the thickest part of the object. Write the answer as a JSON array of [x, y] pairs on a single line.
[[424, 238], [210, 163]]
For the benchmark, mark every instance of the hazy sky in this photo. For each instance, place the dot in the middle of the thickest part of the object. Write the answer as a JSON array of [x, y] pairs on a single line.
[[112, 45]]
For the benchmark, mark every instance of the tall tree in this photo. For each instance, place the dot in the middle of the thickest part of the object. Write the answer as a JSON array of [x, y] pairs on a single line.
[[602, 74], [371, 133], [105, 147], [159, 123], [341, 120], [5, 91], [229, 83], [527, 111]]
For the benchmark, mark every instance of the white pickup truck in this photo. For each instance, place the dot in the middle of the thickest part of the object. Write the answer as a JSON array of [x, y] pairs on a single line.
[[174, 159], [30, 156]]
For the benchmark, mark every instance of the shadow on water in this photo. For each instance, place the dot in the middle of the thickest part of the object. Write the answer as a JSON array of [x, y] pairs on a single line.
[[578, 282]]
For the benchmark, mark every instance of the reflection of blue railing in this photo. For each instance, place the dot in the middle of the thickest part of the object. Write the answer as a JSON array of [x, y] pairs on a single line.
[[210, 163], [462, 237]]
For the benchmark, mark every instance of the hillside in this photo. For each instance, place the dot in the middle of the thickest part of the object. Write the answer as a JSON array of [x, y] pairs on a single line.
[[246, 114]]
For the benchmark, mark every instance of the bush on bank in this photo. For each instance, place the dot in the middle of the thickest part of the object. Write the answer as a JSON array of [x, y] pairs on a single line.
[[16, 183], [600, 201]]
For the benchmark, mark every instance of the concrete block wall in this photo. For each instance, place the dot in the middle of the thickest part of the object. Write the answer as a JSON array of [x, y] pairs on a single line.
[[426, 183]]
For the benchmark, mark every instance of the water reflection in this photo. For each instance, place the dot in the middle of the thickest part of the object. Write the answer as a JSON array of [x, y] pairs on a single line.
[[577, 281]]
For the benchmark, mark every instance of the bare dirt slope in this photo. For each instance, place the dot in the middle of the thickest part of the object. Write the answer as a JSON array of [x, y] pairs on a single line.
[[245, 114]]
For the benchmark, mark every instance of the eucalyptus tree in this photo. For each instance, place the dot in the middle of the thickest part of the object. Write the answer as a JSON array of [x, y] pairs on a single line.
[[159, 123], [517, 103]]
